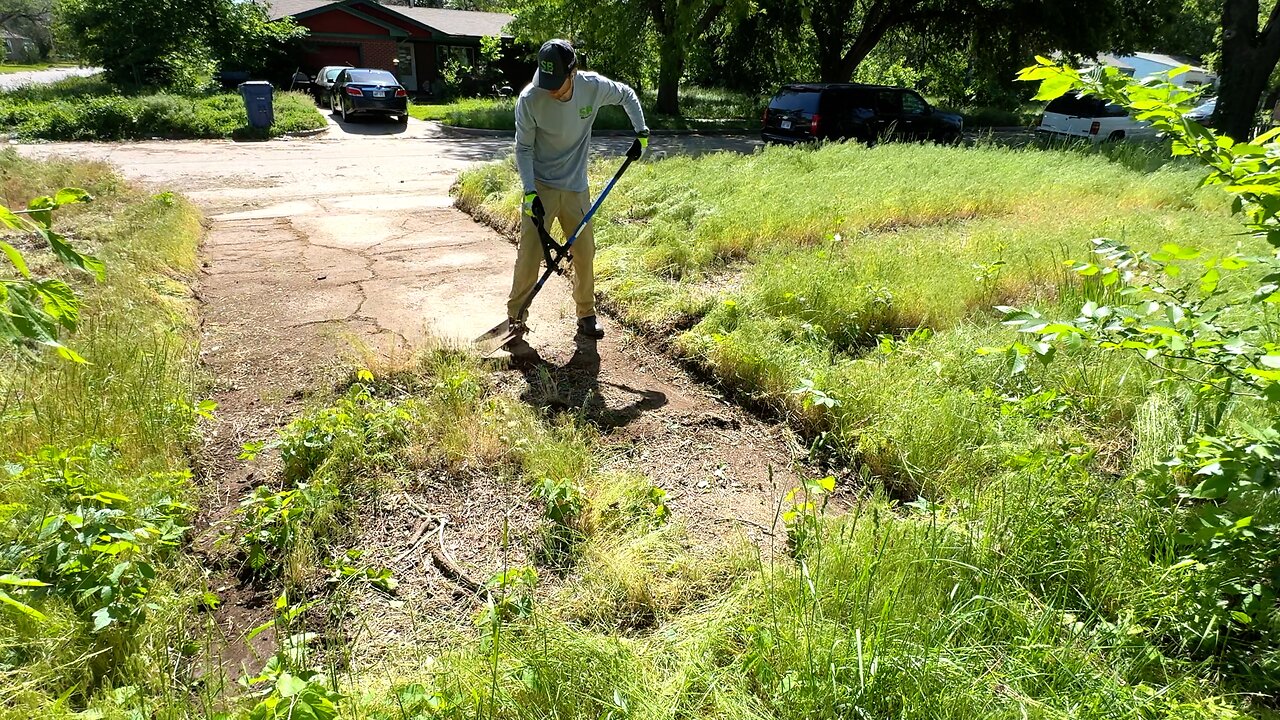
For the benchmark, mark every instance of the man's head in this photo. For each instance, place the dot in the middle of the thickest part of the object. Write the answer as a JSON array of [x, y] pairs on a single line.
[[556, 64]]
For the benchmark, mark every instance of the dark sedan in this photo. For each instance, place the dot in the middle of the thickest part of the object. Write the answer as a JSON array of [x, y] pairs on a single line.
[[322, 85], [365, 91]]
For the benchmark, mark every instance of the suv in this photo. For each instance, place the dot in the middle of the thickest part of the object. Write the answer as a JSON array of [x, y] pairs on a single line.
[[805, 112], [1084, 116]]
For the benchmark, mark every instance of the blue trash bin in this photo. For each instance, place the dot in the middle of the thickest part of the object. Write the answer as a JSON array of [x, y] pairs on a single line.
[[257, 103]]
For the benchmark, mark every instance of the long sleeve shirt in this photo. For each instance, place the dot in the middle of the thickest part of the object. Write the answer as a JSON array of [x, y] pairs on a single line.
[[553, 138]]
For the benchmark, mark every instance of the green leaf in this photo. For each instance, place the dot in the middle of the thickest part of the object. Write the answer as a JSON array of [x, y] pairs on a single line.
[[40, 210], [1212, 488], [10, 579], [1270, 361], [289, 685], [1240, 617], [1054, 86], [71, 196], [60, 302], [12, 221], [101, 619], [21, 607], [16, 258], [71, 258], [1209, 281]]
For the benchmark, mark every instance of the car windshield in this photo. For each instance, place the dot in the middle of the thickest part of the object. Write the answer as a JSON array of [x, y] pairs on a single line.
[[371, 76], [793, 99], [331, 74]]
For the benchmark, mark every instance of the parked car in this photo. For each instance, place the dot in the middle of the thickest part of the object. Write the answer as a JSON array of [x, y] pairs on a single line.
[[367, 91], [322, 83], [1203, 113], [804, 112], [1084, 116]]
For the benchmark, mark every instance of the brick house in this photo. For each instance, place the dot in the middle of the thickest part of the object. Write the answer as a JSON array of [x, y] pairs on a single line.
[[412, 42]]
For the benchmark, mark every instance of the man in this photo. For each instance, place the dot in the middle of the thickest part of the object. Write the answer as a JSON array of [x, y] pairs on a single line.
[[554, 114]]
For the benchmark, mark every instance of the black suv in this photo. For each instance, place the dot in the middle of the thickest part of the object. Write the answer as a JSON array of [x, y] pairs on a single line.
[[804, 112]]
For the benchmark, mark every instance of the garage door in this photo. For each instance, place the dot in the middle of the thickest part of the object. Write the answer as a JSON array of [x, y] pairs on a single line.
[[320, 55]]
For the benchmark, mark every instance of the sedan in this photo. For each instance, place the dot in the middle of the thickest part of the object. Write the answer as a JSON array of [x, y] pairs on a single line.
[[322, 85], [366, 91]]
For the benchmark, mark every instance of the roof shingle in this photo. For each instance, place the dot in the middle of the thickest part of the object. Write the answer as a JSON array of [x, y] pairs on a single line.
[[460, 23]]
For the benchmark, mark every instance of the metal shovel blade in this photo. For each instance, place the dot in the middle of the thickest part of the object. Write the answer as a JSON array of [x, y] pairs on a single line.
[[496, 339]]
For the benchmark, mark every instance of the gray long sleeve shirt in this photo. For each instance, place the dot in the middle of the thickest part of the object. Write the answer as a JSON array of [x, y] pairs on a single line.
[[553, 138]]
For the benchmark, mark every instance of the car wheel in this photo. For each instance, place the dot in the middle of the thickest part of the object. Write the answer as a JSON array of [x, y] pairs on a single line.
[[344, 112], [1116, 136]]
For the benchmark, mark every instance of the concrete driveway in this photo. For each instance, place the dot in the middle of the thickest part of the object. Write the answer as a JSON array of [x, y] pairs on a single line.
[[10, 81]]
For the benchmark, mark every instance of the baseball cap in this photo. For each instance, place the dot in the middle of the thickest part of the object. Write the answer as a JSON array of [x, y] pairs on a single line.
[[556, 59]]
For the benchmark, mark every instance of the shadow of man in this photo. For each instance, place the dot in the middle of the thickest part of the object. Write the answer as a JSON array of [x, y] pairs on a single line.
[[576, 386]]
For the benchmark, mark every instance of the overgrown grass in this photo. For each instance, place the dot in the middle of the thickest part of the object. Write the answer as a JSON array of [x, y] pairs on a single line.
[[850, 290], [90, 109], [101, 450], [701, 109], [1033, 594]]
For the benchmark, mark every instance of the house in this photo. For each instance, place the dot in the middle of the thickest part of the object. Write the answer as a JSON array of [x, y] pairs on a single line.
[[412, 42], [1143, 65], [18, 48]]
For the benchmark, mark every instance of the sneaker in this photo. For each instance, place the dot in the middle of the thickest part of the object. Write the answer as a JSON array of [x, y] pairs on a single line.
[[590, 327]]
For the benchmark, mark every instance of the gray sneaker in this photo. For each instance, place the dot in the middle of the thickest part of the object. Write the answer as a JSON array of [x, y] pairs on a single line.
[[590, 327]]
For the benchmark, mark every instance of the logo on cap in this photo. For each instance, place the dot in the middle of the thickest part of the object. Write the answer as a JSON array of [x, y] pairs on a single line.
[[548, 66]]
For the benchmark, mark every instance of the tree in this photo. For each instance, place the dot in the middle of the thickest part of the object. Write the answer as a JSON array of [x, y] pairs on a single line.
[[31, 19], [170, 42], [602, 27], [848, 30], [1249, 54]]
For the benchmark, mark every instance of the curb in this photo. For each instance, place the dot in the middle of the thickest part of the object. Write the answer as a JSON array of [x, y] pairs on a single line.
[[306, 133]]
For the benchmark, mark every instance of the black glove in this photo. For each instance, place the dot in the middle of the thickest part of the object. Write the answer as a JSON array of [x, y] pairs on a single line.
[[639, 147], [533, 205]]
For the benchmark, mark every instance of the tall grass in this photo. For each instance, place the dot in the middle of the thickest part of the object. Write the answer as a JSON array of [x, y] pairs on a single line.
[[123, 423], [850, 291]]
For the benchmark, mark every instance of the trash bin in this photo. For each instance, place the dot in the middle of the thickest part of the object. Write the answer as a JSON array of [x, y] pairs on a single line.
[[257, 103]]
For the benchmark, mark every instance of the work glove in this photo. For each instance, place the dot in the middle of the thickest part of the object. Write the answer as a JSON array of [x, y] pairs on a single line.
[[533, 205], [640, 147]]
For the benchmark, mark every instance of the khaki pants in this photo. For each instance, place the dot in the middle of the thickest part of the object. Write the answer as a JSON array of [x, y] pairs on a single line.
[[568, 208]]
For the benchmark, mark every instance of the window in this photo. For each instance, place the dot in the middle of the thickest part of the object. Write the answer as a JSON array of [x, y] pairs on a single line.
[[795, 99], [456, 53], [370, 76], [913, 104], [404, 60], [889, 102]]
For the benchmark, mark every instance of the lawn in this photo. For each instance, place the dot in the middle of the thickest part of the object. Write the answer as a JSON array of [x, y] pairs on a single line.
[[29, 67], [90, 109], [850, 291], [702, 109]]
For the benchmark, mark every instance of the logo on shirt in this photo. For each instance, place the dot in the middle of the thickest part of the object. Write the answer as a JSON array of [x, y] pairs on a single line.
[[584, 112]]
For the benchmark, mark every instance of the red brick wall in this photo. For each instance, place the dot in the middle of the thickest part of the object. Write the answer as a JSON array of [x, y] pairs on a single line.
[[379, 54], [338, 21]]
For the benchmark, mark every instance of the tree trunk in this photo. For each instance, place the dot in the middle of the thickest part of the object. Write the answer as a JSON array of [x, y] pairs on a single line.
[[1248, 57], [670, 70]]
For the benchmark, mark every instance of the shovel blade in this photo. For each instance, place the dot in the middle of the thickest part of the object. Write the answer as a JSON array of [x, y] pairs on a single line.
[[496, 339]]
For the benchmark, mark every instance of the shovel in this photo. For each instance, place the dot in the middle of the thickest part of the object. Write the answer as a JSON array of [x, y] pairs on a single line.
[[554, 253]]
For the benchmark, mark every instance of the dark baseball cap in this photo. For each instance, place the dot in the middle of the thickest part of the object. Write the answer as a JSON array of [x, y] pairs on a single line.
[[556, 59]]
